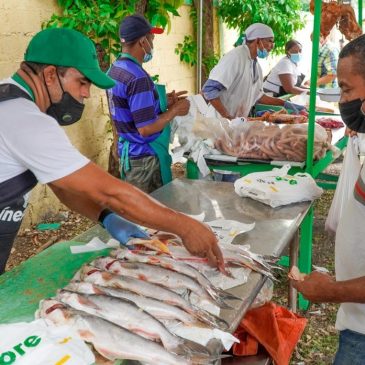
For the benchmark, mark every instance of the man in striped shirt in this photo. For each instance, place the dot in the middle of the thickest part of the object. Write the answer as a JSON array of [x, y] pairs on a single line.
[[348, 288], [136, 109]]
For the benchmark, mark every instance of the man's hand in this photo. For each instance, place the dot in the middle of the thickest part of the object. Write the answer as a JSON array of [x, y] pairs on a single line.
[[181, 107], [349, 132], [173, 97], [121, 229], [317, 287], [200, 241]]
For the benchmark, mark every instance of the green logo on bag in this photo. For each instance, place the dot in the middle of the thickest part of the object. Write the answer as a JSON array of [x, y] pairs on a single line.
[[9, 357]]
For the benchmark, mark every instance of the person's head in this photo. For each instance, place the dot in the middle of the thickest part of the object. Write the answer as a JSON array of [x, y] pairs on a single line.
[[260, 39], [65, 62], [351, 80], [137, 35], [293, 50], [322, 39]]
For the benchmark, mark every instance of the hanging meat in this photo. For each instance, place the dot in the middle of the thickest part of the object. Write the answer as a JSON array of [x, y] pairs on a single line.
[[343, 14], [331, 12], [347, 24]]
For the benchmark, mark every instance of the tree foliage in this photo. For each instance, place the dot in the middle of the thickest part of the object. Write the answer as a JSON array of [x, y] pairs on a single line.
[[100, 19], [283, 16]]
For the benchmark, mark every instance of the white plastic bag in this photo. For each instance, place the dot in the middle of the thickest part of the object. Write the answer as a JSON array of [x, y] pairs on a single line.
[[268, 141], [40, 343], [346, 182], [276, 187]]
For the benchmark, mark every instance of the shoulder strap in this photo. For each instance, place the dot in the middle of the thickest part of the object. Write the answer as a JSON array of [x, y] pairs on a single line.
[[10, 91], [17, 186], [21, 184]]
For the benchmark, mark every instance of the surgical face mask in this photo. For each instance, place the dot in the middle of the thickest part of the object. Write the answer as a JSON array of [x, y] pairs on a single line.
[[296, 57], [66, 111], [352, 114], [147, 55], [262, 53]]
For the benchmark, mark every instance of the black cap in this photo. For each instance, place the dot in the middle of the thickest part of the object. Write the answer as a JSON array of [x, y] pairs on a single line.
[[136, 26]]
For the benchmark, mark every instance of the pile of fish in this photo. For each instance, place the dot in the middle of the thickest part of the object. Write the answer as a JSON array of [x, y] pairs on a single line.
[[127, 305]]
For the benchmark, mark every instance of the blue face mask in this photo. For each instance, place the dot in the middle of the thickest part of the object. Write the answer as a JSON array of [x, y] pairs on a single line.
[[296, 57], [148, 55], [262, 53]]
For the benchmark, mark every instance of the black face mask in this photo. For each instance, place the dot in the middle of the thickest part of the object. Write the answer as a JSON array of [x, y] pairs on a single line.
[[352, 115], [67, 111]]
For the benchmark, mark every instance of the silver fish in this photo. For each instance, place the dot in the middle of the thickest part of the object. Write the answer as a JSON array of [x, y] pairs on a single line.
[[126, 314], [96, 276], [158, 309], [231, 257], [156, 275], [174, 265], [111, 341]]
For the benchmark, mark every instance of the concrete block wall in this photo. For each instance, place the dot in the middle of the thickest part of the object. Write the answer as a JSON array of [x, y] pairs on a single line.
[[20, 20], [166, 63]]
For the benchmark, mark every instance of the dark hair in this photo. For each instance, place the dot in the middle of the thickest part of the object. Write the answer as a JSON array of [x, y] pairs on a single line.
[[38, 67], [290, 44], [356, 49]]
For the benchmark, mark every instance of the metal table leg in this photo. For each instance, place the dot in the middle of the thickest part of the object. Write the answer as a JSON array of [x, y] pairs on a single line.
[[293, 261], [305, 254]]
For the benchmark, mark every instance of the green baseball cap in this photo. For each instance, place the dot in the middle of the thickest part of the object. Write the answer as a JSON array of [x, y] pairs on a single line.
[[68, 48]]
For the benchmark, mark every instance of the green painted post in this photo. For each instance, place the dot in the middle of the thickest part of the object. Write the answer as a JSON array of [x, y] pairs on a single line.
[[305, 248], [305, 251], [313, 85], [360, 13]]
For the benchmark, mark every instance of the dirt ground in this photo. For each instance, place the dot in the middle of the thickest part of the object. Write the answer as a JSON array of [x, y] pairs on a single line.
[[319, 341]]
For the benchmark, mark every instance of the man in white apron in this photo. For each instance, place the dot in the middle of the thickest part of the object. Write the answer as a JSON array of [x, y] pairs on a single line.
[[235, 84]]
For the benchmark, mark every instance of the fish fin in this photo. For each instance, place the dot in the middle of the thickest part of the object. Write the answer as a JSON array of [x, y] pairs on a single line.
[[191, 348], [202, 360], [215, 292], [220, 302], [84, 300], [211, 319], [106, 353]]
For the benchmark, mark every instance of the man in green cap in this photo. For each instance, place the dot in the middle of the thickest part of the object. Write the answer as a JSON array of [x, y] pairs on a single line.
[[47, 92]]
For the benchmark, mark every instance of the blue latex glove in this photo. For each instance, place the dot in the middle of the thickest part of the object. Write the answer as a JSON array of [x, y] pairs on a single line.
[[121, 229], [296, 108]]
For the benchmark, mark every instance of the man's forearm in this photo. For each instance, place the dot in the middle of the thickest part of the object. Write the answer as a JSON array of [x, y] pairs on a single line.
[[350, 291], [265, 99], [326, 79], [90, 189], [158, 125], [220, 108], [78, 203]]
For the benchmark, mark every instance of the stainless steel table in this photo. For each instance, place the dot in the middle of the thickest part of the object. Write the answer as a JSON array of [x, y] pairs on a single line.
[[274, 231]]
